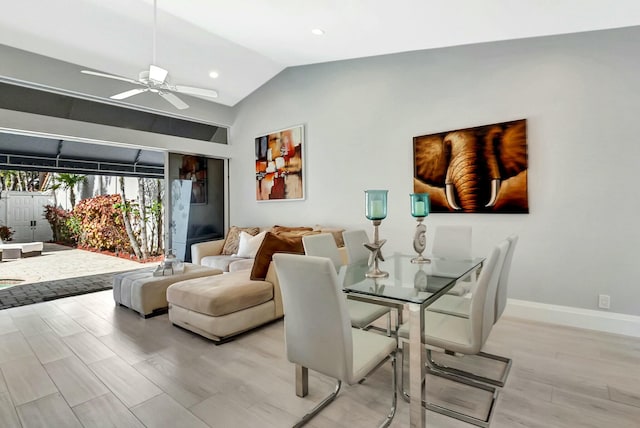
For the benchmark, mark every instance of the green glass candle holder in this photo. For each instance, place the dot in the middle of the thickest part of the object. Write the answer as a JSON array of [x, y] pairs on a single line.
[[420, 207], [376, 211]]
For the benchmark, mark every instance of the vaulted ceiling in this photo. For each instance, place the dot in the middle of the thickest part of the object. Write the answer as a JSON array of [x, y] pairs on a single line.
[[248, 42]]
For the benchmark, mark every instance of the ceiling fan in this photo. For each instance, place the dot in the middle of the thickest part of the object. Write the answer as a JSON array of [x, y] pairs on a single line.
[[155, 80]]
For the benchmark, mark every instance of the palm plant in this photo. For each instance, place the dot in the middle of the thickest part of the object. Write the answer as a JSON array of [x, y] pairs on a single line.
[[69, 182]]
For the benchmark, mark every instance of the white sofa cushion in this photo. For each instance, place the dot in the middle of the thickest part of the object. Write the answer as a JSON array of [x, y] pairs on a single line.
[[219, 262], [244, 264], [220, 296]]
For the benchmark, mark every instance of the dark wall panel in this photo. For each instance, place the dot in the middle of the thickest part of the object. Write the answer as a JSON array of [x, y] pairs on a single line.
[[28, 100]]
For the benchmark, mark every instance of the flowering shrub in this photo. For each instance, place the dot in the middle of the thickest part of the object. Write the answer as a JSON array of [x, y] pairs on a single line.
[[59, 220], [6, 233], [99, 224]]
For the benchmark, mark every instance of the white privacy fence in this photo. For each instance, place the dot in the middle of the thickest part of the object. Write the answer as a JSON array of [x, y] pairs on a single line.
[[24, 213]]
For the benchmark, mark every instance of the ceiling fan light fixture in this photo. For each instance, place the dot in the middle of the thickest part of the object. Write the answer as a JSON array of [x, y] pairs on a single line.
[[157, 74]]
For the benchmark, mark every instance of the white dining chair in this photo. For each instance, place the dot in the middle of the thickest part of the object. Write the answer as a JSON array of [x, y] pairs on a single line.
[[354, 241], [454, 242], [464, 336], [318, 334], [362, 314], [461, 307]]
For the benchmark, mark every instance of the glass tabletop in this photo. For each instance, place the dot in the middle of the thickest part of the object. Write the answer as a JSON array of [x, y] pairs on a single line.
[[408, 282]]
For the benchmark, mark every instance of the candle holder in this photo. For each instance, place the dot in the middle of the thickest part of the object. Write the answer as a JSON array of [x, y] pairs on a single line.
[[376, 288], [376, 211], [420, 279], [420, 209]]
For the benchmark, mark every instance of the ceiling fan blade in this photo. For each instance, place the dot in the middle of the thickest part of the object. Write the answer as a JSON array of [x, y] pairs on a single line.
[[200, 92], [110, 76], [129, 93], [177, 102]]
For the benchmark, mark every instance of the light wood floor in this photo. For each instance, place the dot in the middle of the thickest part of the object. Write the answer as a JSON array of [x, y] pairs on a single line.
[[82, 362]]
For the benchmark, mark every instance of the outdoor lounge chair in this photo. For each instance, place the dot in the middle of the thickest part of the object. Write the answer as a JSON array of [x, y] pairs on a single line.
[[20, 250]]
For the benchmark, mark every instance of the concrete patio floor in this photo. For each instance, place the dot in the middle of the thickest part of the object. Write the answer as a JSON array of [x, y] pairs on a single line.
[[60, 271]]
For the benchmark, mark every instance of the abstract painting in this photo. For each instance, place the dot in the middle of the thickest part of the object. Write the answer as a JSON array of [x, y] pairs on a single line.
[[280, 165], [474, 170]]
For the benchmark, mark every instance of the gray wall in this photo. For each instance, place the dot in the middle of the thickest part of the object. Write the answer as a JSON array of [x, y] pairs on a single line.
[[581, 97]]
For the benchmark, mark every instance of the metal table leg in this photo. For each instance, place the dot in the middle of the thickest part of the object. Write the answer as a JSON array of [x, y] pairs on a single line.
[[302, 381], [417, 359]]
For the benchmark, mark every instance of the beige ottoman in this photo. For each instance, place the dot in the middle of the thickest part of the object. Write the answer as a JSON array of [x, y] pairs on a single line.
[[221, 306], [147, 294]]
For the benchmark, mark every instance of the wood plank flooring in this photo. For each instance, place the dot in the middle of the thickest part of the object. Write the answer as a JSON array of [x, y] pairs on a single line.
[[83, 362]]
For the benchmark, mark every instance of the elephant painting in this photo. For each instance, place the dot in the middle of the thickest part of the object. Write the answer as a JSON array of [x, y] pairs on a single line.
[[474, 170]]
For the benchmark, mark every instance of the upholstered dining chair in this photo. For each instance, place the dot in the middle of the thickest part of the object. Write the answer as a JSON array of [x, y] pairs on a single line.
[[454, 242], [362, 314], [464, 336], [461, 307], [318, 333], [354, 241]]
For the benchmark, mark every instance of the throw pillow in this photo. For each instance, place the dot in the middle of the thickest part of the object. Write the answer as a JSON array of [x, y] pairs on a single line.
[[232, 240], [287, 229], [248, 245], [337, 234], [274, 243]]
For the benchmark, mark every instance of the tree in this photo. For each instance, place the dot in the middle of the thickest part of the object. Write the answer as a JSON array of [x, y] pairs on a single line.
[[69, 182], [144, 243], [54, 186], [20, 180], [4, 179], [156, 210], [126, 211]]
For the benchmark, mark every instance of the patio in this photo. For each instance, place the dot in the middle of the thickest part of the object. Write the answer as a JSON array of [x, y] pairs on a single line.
[[60, 271]]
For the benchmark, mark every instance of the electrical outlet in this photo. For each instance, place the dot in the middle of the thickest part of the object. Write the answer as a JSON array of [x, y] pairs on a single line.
[[604, 301]]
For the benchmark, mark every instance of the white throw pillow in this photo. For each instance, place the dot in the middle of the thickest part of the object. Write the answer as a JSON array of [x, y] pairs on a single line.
[[248, 245]]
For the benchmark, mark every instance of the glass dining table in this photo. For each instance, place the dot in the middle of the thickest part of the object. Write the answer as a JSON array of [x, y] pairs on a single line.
[[415, 287]]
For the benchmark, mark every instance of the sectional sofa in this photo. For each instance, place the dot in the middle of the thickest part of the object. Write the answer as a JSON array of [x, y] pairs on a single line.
[[246, 296]]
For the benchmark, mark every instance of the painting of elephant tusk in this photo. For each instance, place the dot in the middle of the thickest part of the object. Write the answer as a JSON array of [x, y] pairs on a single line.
[[450, 198], [471, 170], [495, 187]]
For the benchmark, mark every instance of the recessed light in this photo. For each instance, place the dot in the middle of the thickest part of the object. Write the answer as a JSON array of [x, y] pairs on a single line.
[[213, 74], [317, 32]]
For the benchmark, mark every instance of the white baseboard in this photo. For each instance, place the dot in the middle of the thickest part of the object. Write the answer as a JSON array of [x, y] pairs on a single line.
[[609, 322]]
